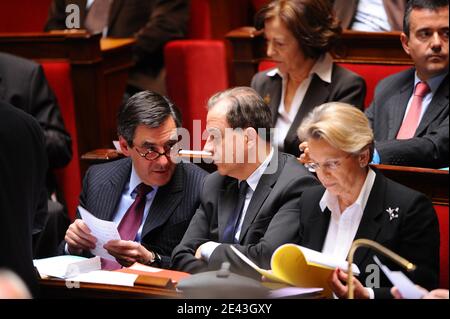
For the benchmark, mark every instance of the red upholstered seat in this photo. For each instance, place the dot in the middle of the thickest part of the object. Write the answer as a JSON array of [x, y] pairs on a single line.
[[23, 15], [372, 74], [196, 69], [442, 213], [58, 76]]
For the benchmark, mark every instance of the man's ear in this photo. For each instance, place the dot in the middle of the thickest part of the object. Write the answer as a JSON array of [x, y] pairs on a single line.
[[404, 39], [251, 137], [125, 148]]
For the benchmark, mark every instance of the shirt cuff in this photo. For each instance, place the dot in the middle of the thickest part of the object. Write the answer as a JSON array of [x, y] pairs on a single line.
[[208, 248], [66, 249], [376, 157], [371, 293]]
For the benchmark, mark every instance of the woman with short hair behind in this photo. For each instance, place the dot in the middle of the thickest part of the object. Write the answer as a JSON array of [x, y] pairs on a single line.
[[356, 201], [299, 35]]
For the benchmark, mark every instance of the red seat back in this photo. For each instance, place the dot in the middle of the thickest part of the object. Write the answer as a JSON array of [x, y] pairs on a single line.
[[23, 15], [442, 214], [200, 20], [372, 74], [196, 69], [58, 76]]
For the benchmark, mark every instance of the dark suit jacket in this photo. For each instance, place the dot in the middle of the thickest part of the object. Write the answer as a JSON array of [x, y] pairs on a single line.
[[346, 11], [23, 163], [430, 145], [171, 210], [414, 235], [345, 86], [270, 221], [23, 84], [152, 22]]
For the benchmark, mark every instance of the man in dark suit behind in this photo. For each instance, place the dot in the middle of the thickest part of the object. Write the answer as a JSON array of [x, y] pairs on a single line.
[[152, 22], [250, 202], [24, 85], [23, 164], [425, 39], [146, 127]]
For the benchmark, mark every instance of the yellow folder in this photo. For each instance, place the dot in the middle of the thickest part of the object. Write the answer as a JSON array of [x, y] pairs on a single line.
[[300, 266]]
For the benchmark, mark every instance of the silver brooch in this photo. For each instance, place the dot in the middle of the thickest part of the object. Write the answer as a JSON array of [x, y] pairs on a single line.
[[393, 213]]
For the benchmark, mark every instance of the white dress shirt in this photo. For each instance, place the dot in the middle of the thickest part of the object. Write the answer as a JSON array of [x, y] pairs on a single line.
[[252, 181], [371, 16], [344, 225], [323, 68]]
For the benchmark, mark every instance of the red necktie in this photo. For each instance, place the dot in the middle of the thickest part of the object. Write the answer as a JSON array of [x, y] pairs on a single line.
[[131, 221], [411, 121], [97, 17]]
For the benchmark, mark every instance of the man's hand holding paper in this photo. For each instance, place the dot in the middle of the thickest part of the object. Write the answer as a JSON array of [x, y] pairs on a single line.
[[99, 233]]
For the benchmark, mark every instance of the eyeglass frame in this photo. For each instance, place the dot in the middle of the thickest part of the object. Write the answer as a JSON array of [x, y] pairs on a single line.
[[329, 165], [167, 149]]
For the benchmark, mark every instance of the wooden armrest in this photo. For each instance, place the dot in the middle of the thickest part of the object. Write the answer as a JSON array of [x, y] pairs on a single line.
[[102, 155]]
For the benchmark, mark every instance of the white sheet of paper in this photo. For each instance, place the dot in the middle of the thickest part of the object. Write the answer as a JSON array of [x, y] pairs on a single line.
[[106, 277], [103, 230], [141, 267], [407, 288], [56, 266]]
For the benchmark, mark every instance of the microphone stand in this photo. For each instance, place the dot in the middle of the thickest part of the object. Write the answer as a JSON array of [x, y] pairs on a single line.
[[380, 249]]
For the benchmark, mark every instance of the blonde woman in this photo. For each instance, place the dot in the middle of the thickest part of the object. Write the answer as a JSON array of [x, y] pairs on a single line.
[[356, 201]]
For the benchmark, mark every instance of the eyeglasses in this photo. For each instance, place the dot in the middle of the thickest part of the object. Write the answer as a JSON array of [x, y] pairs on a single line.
[[151, 154], [330, 165]]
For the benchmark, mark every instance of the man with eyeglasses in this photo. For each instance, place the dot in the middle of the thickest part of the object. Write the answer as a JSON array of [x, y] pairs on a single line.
[[151, 198]]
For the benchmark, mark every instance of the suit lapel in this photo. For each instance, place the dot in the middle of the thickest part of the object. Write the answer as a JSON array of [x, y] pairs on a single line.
[[111, 191], [438, 103], [166, 201], [317, 93], [263, 190], [226, 204], [369, 226]]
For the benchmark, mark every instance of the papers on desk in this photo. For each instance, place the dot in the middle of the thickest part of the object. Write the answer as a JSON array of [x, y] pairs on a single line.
[[106, 277], [103, 230], [81, 269], [66, 266], [405, 286]]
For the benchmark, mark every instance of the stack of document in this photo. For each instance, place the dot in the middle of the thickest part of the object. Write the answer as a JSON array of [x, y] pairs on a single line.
[[81, 269]]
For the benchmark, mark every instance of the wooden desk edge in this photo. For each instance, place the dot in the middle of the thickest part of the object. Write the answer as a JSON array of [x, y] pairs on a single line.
[[136, 291]]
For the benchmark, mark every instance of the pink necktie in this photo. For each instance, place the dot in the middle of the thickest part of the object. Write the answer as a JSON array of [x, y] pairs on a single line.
[[411, 121], [131, 221]]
